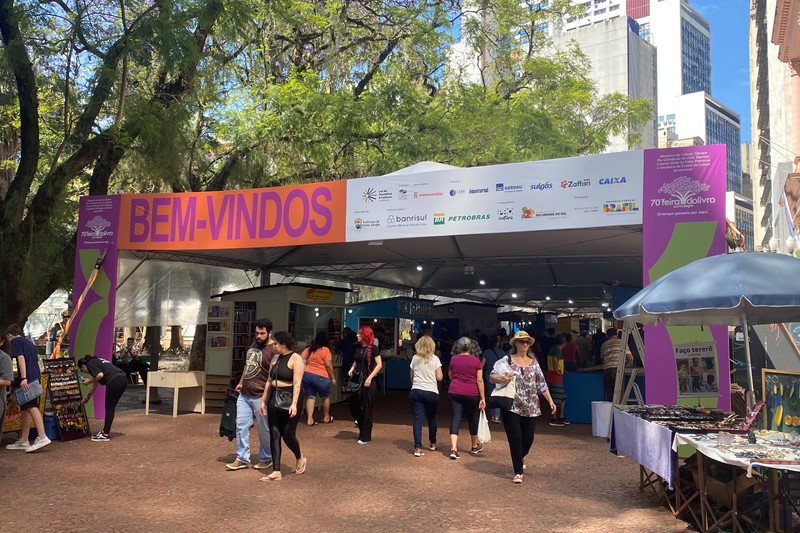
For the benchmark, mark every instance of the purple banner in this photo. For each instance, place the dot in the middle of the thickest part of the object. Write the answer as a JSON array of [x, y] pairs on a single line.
[[683, 220], [93, 324]]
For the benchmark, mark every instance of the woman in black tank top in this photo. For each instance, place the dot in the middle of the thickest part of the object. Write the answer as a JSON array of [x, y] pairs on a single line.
[[286, 373]]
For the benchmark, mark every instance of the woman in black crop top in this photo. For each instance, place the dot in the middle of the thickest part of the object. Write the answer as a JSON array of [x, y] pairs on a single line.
[[286, 372]]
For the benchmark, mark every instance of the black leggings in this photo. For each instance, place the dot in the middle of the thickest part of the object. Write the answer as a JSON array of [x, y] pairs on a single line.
[[280, 425], [464, 406], [114, 389], [520, 431]]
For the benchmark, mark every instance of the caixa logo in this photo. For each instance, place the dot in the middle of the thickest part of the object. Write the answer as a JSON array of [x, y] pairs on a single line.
[[684, 192], [568, 184], [612, 181], [98, 225]]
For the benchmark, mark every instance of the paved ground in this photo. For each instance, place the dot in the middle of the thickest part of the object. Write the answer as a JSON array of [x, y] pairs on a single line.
[[165, 474]]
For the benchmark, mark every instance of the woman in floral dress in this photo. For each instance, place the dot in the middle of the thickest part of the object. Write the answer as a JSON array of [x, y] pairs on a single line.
[[519, 422]]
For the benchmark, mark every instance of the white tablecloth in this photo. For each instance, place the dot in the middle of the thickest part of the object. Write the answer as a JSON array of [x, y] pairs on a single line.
[[726, 454]]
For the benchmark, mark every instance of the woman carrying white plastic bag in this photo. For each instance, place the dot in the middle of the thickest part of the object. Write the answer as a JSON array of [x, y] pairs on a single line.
[[484, 433]]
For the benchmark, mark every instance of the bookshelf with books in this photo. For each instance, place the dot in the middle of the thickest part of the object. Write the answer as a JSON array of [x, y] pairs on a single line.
[[218, 339], [244, 317]]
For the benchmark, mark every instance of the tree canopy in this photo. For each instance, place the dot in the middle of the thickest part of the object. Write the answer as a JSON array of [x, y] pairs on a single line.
[[114, 96]]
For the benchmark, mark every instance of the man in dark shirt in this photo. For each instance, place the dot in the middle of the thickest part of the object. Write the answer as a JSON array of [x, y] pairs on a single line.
[[28, 366], [250, 388]]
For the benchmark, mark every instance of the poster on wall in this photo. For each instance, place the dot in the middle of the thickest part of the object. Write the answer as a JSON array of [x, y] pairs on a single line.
[[697, 369]]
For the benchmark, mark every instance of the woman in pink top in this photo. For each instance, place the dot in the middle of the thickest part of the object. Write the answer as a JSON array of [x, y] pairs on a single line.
[[318, 378], [466, 393]]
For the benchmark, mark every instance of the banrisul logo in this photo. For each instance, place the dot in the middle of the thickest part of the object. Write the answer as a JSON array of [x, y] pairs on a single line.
[[98, 225], [612, 181], [438, 219], [568, 184], [684, 192]]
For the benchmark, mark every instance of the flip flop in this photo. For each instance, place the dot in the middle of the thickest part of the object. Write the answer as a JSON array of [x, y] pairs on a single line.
[[272, 477], [301, 465], [330, 419]]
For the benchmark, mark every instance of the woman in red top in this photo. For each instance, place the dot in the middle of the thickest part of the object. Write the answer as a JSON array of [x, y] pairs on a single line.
[[466, 393], [318, 377]]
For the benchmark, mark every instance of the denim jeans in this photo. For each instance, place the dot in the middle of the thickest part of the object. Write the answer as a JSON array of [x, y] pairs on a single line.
[[423, 405], [494, 413], [246, 411]]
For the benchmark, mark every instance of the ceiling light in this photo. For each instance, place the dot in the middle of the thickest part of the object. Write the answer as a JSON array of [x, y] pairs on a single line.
[[547, 298], [350, 311], [375, 243], [482, 282], [513, 294], [569, 301], [419, 268], [374, 319]]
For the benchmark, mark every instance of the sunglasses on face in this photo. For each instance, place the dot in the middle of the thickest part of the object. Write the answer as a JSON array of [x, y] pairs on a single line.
[[523, 342]]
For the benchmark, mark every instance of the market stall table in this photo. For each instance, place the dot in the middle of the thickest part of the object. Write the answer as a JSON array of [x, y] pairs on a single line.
[[645, 442], [193, 399]]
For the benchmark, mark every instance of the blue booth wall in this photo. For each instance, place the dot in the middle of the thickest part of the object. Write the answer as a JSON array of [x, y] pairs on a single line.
[[583, 388]]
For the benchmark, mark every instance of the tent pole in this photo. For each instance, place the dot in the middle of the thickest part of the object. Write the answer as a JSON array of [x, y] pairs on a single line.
[[751, 394]]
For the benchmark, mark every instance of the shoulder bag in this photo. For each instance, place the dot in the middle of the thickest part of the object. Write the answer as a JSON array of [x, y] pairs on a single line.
[[503, 397], [34, 391], [354, 383], [281, 396]]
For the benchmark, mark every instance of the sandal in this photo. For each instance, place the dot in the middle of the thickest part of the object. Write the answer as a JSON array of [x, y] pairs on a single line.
[[328, 421], [314, 423], [274, 476], [301, 466], [418, 452]]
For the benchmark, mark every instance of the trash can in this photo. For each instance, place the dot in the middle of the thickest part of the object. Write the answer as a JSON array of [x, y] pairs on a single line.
[[601, 419]]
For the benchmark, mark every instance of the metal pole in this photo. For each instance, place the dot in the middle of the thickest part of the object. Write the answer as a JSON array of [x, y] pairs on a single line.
[[751, 396]]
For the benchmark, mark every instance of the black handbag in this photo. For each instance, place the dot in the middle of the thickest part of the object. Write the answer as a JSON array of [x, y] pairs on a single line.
[[354, 384], [282, 398]]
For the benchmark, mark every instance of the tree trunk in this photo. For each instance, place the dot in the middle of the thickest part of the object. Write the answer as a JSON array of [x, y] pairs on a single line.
[[197, 355], [175, 339]]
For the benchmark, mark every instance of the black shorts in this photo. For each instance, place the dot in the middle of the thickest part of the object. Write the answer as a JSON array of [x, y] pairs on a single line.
[[30, 405]]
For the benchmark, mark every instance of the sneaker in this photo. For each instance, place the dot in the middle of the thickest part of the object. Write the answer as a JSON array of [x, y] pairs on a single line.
[[100, 437], [496, 420], [19, 445], [263, 465], [237, 465], [556, 423], [40, 442], [454, 455], [359, 441], [418, 452], [432, 447], [564, 421], [478, 449], [517, 479]]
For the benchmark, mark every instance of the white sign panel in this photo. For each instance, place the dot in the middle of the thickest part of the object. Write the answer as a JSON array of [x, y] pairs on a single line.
[[574, 193]]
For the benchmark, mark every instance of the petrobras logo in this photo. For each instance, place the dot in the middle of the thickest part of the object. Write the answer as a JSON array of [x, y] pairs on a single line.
[[418, 195], [684, 192], [402, 194], [479, 190], [98, 226], [438, 219], [501, 187], [622, 206], [528, 212], [454, 192], [569, 184], [612, 181], [541, 186], [505, 213], [394, 221], [469, 218]]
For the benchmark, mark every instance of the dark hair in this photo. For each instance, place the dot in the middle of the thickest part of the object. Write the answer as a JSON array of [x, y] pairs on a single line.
[[560, 339], [265, 323], [550, 331], [14, 330], [483, 342], [568, 337], [129, 339], [494, 340], [83, 360], [611, 332], [352, 336], [320, 341], [282, 337]]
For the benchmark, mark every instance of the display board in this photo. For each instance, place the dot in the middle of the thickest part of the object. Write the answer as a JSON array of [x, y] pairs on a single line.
[[780, 391], [244, 317], [13, 418], [65, 397], [218, 338]]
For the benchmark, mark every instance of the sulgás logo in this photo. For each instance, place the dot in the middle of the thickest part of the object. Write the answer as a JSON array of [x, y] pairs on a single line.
[[568, 184], [541, 186], [611, 181]]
